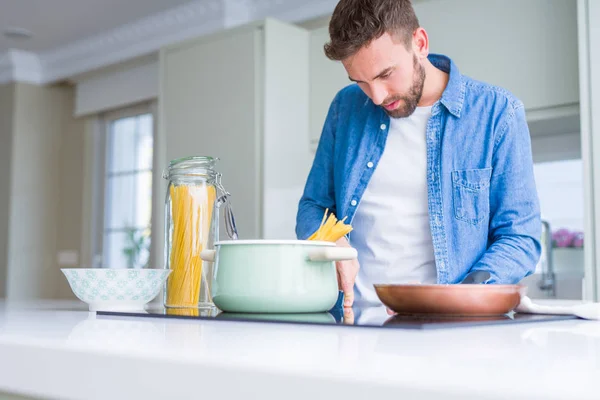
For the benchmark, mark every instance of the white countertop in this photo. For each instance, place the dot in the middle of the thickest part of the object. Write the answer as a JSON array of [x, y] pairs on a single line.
[[51, 350]]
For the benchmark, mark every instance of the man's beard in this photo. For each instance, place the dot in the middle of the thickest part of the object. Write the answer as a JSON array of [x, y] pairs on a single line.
[[408, 103]]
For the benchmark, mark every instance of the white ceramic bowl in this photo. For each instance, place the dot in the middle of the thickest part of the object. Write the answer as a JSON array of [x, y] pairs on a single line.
[[111, 289]]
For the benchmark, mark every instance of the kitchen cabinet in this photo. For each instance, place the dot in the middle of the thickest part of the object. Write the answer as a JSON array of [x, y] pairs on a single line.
[[588, 12], [326, 79], [528, 47], [242, 95]]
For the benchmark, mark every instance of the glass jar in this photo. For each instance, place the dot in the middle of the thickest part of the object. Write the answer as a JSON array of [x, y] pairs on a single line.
[[191, 225]]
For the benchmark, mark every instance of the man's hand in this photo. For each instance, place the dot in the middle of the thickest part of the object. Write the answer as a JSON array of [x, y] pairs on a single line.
[[348, 316], [346, 274]]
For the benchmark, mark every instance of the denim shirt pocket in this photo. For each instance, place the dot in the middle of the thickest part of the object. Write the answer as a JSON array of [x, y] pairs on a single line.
[[471, 189]]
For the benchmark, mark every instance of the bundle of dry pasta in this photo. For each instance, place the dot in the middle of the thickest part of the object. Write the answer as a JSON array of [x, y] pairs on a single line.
[[186, 312], [191, 210], [331, 229]]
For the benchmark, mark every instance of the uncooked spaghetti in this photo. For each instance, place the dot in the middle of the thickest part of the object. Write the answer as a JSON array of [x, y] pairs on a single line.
[[191, 208], [331, 230]]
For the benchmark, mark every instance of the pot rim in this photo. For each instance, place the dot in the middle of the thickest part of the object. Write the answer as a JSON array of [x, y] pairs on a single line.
[[275, 242]]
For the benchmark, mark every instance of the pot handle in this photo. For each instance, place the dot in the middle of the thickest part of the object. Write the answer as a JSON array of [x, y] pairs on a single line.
[[333, 254], [208, 255]]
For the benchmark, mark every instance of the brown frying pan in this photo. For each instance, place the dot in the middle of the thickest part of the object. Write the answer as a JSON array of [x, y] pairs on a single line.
[[451, 300]]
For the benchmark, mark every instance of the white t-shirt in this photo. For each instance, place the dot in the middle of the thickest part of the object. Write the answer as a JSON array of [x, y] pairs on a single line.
[[391, 225]]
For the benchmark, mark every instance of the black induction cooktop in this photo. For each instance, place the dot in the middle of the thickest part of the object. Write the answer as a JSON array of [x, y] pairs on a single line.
[[371, 317]]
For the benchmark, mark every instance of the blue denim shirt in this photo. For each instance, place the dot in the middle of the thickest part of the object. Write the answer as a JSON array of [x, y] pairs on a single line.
[[483, 205]]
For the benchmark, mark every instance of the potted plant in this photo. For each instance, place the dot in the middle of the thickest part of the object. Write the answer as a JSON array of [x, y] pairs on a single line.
[[136, 243]]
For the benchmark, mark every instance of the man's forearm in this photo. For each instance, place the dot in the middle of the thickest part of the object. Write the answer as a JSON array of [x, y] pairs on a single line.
[[509, 259], [515, 224], [309, 218]]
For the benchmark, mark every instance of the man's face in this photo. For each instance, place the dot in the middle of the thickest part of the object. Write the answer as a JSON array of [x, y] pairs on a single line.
[[389, 73]]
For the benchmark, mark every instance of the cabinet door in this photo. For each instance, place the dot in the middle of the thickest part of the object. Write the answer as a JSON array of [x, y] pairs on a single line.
[[209, 107], [528, 47], [286, 157], [589, 45], [326, 79]]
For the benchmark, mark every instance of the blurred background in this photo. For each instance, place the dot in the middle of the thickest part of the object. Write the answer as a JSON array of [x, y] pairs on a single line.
[[97, 96]]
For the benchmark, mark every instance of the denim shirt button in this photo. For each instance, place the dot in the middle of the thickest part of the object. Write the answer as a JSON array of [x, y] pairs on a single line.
[[383, 127], [369, 165], [354, 203]]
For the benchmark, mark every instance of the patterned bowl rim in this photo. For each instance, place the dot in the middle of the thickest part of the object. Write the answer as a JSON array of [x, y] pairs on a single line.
[[153, 286], [143, 270]]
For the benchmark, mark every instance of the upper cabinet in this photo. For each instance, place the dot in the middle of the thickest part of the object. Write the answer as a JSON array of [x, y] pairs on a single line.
[[527, 47], [326, 79], [242, 95]]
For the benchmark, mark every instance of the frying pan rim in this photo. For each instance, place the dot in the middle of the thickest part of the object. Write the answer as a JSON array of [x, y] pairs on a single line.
[[450, 285]]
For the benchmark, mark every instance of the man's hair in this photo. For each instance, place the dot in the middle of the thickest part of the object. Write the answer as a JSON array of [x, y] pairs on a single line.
[[355, 23]]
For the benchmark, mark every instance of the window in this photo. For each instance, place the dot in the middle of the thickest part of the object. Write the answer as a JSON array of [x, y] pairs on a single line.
[[561, 192], [560, 189], [127, 189]]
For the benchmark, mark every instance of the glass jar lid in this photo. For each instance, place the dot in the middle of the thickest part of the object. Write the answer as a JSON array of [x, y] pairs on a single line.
[[190, 167]]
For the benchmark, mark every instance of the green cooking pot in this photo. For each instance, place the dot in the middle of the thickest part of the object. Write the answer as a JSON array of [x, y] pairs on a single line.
[[275, 276], [310, 318]]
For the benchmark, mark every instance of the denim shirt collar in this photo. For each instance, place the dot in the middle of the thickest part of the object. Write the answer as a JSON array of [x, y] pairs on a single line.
[[454, 94]]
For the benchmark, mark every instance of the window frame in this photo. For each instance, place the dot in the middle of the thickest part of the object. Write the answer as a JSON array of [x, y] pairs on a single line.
[[101, 154]]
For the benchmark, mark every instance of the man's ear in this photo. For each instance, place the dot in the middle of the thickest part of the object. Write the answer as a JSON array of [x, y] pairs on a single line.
[[420, 43]]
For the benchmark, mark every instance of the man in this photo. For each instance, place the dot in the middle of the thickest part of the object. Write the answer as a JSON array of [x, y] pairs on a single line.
[[433, 169]]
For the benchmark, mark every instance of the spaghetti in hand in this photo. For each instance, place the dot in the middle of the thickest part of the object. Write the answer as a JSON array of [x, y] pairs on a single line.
[[331, 230]]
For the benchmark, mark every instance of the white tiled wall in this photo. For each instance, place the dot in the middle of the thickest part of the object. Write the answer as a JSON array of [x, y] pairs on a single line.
[[560, 188]]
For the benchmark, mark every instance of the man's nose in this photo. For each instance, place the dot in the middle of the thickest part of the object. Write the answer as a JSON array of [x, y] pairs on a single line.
[[378, 94]]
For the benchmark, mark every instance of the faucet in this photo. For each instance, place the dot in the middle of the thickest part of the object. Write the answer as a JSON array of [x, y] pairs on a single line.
[[548, 281]]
